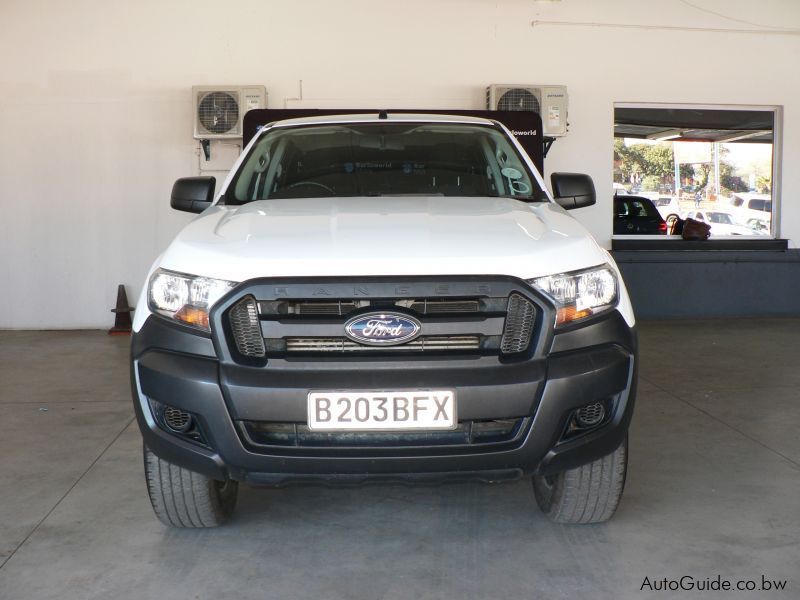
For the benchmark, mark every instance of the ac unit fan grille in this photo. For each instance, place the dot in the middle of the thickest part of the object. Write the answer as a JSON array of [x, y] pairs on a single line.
[[218, 112], [519, 99]]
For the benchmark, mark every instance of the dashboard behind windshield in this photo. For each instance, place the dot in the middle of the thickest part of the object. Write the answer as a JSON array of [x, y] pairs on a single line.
[[379, 159]]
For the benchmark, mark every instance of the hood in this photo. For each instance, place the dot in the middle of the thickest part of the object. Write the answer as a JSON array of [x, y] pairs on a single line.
[[409, 235]]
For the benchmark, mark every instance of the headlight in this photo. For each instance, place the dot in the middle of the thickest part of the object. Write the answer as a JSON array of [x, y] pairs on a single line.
[[580, 294], [185, 298]]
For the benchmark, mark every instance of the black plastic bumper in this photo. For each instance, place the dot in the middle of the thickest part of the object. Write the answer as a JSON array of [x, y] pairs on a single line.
[[595, 362]]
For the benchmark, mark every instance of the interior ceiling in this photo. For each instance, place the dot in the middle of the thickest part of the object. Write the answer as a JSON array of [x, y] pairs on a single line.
[[694, 125]]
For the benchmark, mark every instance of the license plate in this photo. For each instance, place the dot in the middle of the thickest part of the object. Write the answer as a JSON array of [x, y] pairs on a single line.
[[382, 411]]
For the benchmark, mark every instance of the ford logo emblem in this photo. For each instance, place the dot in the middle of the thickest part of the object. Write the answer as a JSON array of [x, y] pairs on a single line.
[[382, 329]]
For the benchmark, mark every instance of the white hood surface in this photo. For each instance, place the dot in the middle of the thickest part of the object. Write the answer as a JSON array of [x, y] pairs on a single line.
[[386, 235]]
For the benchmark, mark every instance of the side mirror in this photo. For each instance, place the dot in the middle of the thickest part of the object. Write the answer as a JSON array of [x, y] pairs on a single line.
[[573, 190], [193, 194]]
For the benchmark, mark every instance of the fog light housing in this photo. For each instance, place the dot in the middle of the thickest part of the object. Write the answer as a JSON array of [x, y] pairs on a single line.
[[590, 415], [177, 421]]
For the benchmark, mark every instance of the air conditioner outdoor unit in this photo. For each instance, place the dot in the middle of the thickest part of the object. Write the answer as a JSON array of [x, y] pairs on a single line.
[[550, 101], [219, 110]]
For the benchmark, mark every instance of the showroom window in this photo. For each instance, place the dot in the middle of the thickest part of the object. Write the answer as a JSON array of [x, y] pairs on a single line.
[[710, 163]]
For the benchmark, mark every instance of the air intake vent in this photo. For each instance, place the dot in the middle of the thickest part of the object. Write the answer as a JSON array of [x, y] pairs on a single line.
[[423, 306], [519, 325], [246, 328], [519, 99], [466, 434], [325, 308], [431, 307]]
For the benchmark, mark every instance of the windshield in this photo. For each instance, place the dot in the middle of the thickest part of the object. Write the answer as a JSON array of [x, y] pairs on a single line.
[[378, 159]]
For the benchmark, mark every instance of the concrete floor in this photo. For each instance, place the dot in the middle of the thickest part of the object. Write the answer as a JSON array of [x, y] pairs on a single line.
[[713, 488]]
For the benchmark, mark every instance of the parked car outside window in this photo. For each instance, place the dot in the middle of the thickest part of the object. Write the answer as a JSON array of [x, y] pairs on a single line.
[[759, 226], [668, 207], [721, 222], [636, 215], [746, 206]]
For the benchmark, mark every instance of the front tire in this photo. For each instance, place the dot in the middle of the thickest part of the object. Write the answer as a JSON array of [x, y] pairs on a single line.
[[586, 494], [185, 499]]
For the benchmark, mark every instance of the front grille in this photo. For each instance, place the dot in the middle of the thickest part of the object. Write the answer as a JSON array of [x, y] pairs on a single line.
[[468, 433], [293, 318], [421, 344]]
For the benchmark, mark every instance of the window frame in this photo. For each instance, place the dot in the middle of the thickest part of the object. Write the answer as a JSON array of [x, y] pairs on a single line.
[[632, 241]]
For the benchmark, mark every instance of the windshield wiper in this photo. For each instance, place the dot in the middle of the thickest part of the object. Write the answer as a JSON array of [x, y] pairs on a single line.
[[523, 198], [376, 194]]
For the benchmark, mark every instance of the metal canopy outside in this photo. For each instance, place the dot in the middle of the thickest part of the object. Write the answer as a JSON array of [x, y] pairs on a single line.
[[699, 125]]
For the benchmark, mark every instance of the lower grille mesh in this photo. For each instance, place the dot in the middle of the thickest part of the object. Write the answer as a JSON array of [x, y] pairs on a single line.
[[264, 433], [428, 343]]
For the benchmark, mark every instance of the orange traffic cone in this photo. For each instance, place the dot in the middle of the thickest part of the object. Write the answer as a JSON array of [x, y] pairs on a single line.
[[122, 322]]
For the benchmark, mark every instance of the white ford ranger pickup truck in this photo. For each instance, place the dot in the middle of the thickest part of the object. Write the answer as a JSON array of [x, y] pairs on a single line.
[[383, 296]]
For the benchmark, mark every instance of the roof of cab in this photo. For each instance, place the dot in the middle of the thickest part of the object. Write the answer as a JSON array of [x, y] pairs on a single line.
[[390, 118]]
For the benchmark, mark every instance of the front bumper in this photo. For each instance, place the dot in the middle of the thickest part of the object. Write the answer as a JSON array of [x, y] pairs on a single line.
[[594, 362]]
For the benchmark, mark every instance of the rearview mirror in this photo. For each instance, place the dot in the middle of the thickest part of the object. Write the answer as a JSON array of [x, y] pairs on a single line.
[[573, 190], [193, 194]]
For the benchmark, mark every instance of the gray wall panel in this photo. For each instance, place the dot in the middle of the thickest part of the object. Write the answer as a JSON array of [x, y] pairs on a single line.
[[675, 284]]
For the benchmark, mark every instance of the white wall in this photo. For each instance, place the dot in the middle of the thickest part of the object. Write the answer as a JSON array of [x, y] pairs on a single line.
[[96, 113]]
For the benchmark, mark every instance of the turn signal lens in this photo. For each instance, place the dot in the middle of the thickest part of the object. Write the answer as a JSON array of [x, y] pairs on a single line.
[[570, 313], [198, 317]]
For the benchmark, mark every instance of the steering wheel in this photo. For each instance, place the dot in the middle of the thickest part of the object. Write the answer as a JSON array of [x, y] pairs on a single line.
[[313, 184]]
